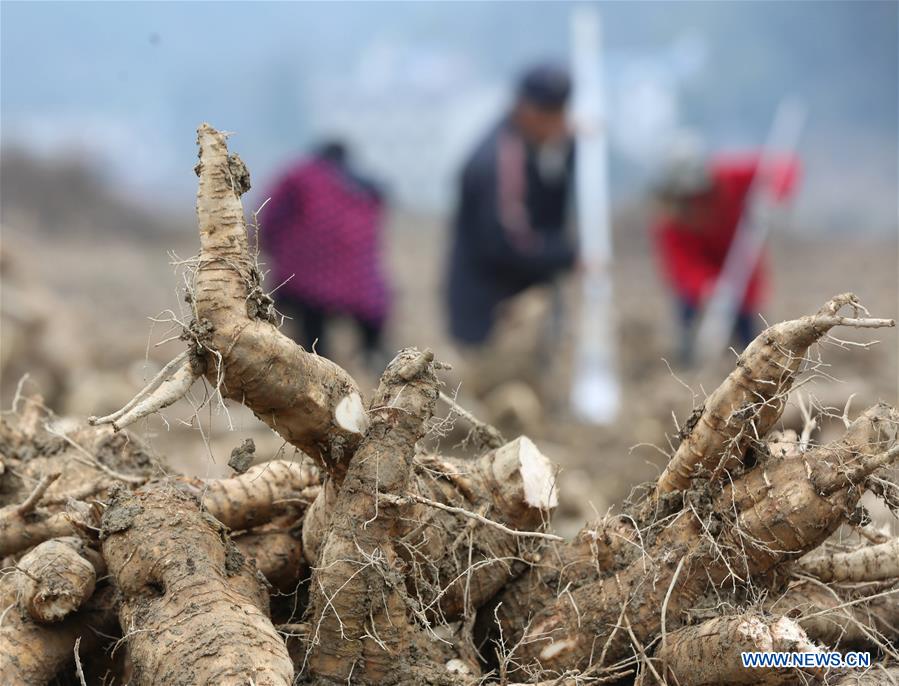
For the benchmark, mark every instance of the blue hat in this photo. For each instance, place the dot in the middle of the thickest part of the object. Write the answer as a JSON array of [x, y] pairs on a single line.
[[546, 86]]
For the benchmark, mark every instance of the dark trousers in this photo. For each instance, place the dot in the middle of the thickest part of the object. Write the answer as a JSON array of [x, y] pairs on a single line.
[[745, 330], [313, 320]]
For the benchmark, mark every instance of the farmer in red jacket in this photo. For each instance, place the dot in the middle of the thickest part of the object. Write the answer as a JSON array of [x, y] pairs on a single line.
[[701, 203], [321, 229]]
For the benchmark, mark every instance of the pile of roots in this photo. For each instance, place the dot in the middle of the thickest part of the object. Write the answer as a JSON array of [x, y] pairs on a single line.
[[370, 560]]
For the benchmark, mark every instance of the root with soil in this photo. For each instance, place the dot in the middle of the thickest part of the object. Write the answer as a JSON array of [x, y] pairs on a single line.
[[376, 561]]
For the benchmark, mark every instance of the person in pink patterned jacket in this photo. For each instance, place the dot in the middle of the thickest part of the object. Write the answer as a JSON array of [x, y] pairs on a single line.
[[322, 231]]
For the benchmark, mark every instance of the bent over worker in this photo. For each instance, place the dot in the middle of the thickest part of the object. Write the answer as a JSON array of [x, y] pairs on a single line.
[[701, 202], [511, 225]]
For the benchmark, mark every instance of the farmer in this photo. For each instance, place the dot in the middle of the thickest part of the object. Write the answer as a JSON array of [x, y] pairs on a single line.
[[510, 230], [322, 231], [700, 205]]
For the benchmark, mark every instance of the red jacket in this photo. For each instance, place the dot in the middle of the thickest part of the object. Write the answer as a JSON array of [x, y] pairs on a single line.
[[692, 251]]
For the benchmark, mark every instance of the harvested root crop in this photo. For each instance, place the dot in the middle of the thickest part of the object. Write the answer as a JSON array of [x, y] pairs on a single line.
[[25, 525], [391, 564], [774, 513], [54, 478], [259, 494], [235, 344], [752, 398], [276, 549], [194, 612], [31, 653], [871, 563], [363, 628], [57, 577], [877, 675], [456, 559], [841, 616], [470, 523], [710, 653]]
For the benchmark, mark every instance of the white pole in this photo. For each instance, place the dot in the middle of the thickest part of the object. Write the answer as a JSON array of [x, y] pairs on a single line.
[[595, 395], [720, 313]]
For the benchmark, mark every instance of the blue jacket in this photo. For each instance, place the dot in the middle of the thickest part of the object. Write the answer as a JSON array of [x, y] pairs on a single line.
[[509, 231]]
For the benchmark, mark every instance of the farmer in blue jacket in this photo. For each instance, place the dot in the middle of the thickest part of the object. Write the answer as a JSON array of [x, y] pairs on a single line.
[[511, 228]]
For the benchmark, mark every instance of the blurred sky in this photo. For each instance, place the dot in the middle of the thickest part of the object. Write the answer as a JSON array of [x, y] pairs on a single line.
[[413, 85]]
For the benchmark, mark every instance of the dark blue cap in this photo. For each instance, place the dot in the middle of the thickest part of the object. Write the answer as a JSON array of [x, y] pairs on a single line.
[[547, 86]]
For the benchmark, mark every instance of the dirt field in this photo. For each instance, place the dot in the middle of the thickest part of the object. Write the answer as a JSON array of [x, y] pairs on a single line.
[[99, 292]]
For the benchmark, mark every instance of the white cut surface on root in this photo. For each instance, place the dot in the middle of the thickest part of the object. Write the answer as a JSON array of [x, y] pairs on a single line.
[[537, 475], [350, 414]]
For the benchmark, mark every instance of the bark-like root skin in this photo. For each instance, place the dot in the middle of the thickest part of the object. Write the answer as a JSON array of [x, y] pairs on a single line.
[[277, 550], [455, 564], [708, 654], [17, 532], [361, 630], [774, 513], [34, 453], [751, 399], [259, 494], [839, 617], [878, 675], [310, 401], [192, 609], [599, 549], [32, 653], [871, 563], [55, 579], [44, 452], [786, 507], [450, 561]]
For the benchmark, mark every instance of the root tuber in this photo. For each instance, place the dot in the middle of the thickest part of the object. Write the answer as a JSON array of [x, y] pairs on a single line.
[[455, 556], [871, 563], [263, 491], [22, 526], [877, 675], [32, 653], [360, 615], [708, 654], [307, 399], [192, 611], [774, 513], [168, 387], [748, 403], [277, 551], [418, 561], [56, 578], [841, 616]]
